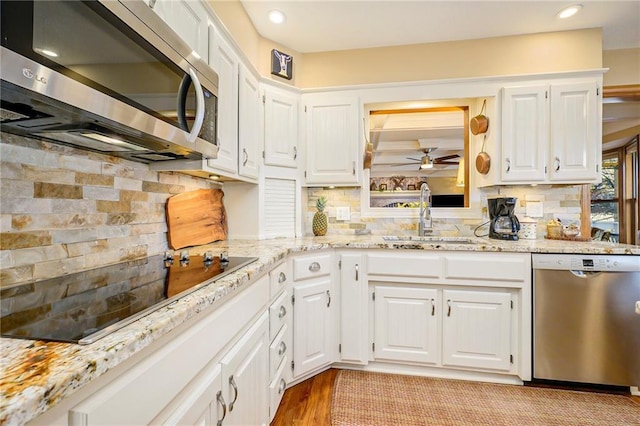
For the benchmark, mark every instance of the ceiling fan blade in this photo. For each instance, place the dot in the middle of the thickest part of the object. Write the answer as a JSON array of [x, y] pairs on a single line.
[[446, 157], [453, 163], [414, 159]]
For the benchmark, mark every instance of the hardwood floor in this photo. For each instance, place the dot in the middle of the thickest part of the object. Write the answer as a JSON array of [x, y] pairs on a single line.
[[309, 402]]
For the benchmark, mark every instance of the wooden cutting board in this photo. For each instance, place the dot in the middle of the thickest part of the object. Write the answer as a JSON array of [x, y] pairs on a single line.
[[195, 218]]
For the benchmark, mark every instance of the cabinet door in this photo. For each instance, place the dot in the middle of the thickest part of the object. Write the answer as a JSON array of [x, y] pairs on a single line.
[[312, 326], [406, 324], [354, 330], [281, 128], [205, 404], [574, 149], [188, 18], [476, 329], [225, 62], [332, 141], [525, 133], [250, 124], [245, 377]]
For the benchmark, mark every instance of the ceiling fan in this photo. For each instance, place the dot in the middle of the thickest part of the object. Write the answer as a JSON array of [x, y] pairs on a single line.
[[429, 161]]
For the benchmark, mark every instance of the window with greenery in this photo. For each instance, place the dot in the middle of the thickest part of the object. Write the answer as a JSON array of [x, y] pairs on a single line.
[[605, 196]]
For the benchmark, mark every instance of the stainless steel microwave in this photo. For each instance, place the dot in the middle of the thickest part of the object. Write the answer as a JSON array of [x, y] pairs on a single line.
[[107, 76]]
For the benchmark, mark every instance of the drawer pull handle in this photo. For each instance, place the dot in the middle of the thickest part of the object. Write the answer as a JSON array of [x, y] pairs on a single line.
[[328, 298], [224, 407], [314, 267], [433, 307], [357, 270], [246, 156], [449, 309], [295, 152], [282, 387], [282, 349], [557, 164], [508, 165], [282, 278], [282, 312], [232, 382]]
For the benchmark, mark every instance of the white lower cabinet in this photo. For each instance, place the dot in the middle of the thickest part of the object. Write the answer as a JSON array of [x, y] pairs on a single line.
[[312, 313], [354, 344], [406, 324], [245, 377], [477, 329]]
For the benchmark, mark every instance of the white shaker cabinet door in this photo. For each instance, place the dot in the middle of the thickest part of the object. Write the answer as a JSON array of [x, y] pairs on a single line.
[[333, 139], [575, 132], [476, 329], [281, 127], [354, 316], [250, 124], [188, 18], [312, 325], [407, 324], [525, 133]]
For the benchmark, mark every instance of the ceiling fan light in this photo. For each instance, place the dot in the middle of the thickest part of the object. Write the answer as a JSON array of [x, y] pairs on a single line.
[[426, 163]]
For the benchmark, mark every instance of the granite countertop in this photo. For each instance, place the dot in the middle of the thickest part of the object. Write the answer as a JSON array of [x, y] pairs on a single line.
[[36, 375]]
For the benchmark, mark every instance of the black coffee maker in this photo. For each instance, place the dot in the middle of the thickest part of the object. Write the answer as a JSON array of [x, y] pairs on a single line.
[[504, 224]]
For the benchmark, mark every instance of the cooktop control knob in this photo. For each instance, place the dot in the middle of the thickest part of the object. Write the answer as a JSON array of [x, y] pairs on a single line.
[[184, 257], [224, 257], [208, 258]]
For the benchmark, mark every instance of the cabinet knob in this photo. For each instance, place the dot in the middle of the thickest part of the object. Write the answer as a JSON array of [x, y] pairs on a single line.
[[152, 3], [283, 312], [282, 349], [282, 278], [314, 267], [282, 387]]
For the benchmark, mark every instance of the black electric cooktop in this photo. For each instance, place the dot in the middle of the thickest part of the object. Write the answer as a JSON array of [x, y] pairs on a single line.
[[86, 306]]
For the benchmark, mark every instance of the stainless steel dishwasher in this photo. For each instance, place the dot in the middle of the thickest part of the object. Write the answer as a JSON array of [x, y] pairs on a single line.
[[586, 318]]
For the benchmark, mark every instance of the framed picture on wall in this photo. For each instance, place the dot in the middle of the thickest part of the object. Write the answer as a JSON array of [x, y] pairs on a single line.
[[281, 64]]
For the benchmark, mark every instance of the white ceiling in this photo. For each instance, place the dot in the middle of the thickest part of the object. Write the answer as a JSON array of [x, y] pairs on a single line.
[[326, 25]]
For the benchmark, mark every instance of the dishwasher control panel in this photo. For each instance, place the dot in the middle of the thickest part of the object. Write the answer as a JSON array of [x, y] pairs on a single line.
[[585, 262]]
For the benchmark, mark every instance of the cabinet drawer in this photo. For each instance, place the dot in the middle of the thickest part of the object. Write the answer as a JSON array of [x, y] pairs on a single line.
[[279, 349], [488, 266], [279, 313], [279, 277], [311, 266], [276, 390], [405, 264]]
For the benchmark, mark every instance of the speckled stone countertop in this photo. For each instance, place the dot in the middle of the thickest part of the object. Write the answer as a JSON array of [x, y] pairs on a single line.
[[36, 375]]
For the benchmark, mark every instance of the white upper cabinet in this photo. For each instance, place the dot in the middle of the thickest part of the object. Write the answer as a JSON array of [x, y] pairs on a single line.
[[332, 139], [188, 18], [281, 127], [250, 124], [524, 133], [551, 133], [224, 61], [575, 148]]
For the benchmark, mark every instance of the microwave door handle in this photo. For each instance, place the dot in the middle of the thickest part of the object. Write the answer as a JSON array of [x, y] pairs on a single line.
[[200, 107], [182, 102]]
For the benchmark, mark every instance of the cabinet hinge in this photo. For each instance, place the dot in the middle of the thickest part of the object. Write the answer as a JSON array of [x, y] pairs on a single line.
[[339, 347], [339, 264], [546, 94], [373, 296], [305, 108], [263, 155], [293, 365], [597, 168], [512, 304], [511, 358], [545, 170], [305, 173], [373, 346], [598, 91], [293, 299], [264, 100]]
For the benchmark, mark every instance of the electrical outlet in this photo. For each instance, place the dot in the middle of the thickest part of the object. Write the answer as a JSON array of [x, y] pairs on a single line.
[[343, 213]]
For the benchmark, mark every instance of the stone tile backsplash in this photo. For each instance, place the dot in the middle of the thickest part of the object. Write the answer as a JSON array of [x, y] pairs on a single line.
[[560, 201], [63, 210]]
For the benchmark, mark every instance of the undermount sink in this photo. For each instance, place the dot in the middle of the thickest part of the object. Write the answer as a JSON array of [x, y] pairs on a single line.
[[432, 240]]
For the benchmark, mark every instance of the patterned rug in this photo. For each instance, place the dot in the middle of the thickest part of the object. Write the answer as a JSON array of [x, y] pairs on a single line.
[[362, 398]]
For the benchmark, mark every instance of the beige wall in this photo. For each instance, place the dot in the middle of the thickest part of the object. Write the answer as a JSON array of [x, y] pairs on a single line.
[[526, 54], [624, 66]]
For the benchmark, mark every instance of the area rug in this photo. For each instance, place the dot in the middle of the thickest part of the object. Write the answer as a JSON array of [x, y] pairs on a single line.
[[362, 398]]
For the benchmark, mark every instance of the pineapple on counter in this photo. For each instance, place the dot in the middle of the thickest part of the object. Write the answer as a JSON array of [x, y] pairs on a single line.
[[320, 221]]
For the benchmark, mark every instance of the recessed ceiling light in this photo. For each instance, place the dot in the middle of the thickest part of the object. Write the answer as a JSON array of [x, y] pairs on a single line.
[[276, 17], [569, 11]]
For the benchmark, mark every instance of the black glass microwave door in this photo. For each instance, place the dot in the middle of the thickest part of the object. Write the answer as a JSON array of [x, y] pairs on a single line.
[[87, 43]]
